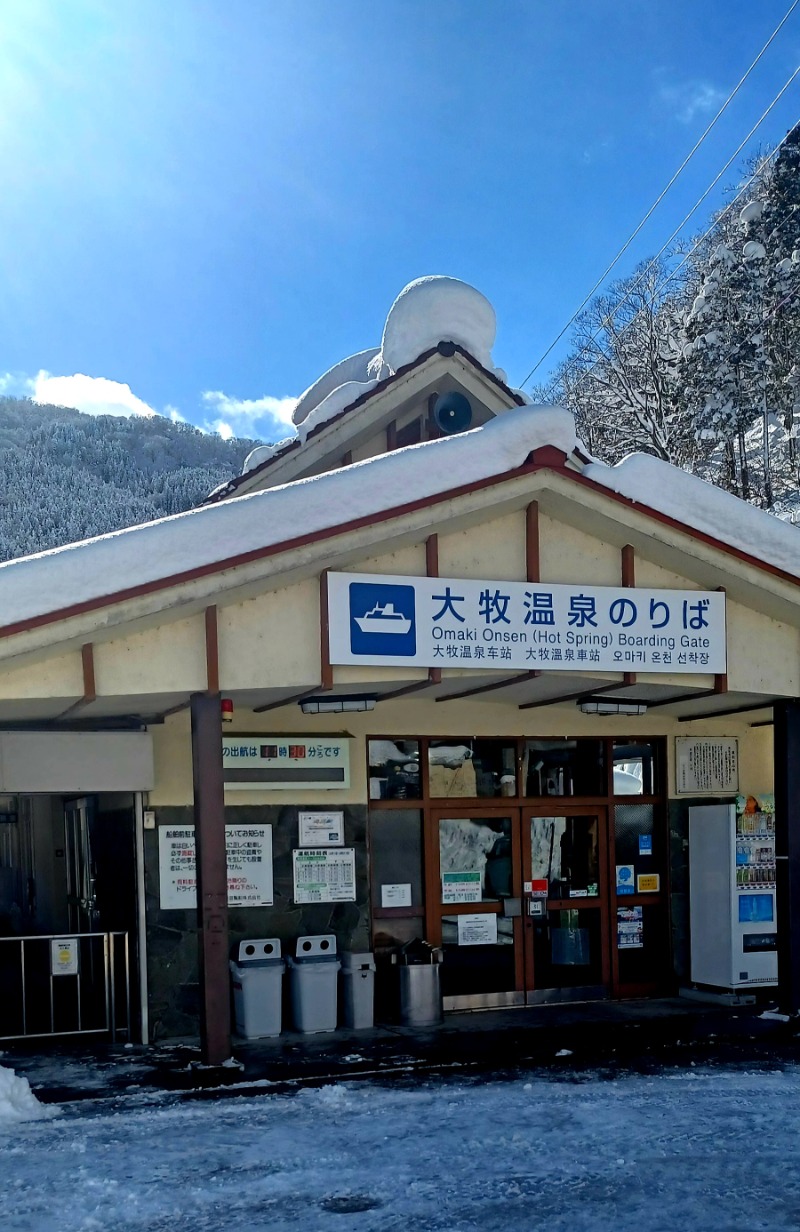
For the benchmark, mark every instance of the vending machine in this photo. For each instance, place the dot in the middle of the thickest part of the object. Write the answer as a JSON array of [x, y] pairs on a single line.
[[733, 921]]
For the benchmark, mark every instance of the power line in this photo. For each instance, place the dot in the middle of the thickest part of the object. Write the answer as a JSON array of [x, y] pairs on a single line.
[[609, 316], [662, 194]]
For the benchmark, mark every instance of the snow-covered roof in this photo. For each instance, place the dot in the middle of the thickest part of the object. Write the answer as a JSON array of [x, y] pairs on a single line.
[[427, 312], [667, 489], [213, 535]]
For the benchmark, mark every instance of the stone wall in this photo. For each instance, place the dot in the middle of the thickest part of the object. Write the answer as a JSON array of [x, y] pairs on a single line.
[[173, 986]]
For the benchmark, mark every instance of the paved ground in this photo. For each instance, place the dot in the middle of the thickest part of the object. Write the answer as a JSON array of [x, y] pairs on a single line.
[[615, 1037]]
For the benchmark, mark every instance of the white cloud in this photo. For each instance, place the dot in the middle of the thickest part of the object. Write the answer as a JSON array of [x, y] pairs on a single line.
[[690, 99], [222, 429], [248, 416], [94, 395]]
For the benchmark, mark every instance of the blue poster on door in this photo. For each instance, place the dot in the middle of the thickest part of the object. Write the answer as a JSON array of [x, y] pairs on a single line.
[[625, 879]]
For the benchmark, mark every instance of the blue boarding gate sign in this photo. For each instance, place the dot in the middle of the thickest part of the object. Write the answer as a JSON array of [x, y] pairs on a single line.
[[380, 620]]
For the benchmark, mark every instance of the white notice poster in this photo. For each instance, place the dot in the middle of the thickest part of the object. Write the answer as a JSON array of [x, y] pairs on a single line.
[[321, 829], [249, 852], [396, 895], [64, 956], [706, 765], [477, 929], [324, 875]]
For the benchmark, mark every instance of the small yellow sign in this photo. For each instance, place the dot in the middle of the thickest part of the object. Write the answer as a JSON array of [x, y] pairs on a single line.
[[648, 883]]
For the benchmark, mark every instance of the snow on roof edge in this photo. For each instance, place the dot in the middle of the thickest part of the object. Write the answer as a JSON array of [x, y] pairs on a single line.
[[666, 489], [93, 569]]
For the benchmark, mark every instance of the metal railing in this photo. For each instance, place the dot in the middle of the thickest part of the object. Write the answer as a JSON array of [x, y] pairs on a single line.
[[65, 984]]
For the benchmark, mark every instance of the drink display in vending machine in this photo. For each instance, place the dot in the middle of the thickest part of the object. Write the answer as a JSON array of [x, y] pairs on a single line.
[[733, 917]]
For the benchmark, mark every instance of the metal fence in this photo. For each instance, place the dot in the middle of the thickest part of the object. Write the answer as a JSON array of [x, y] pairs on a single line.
[[65, 984]]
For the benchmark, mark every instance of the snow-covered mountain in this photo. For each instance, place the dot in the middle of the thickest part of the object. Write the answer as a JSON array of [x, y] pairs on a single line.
[[68, 476]]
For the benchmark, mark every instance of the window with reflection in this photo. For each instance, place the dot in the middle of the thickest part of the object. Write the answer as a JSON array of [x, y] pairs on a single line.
[[565, 854], [475, 859], [564, 768], [470, 767], [394, 770], [636, 768], [567, 949]]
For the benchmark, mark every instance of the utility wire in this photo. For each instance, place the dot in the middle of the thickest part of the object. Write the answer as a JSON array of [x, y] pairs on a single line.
[[608, 318], [663, 193], [588, 372]]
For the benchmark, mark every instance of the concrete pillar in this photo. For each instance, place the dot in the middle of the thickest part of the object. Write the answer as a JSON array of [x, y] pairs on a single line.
[[212, 877], [787, 850]]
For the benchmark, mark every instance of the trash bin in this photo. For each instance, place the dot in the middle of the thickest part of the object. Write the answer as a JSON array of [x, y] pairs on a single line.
[[358, 990], [313, 975], [420, 985], [257, 975]]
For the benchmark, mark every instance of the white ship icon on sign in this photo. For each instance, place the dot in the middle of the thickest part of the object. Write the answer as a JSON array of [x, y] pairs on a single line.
[[383, 620]]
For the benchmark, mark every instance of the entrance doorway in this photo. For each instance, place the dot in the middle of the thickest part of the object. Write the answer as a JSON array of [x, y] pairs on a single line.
[[557, 902], [68, 915]]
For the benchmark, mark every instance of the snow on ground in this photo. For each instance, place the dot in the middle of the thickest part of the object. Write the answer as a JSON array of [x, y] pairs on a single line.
[[684, 1149], [17, 1100]]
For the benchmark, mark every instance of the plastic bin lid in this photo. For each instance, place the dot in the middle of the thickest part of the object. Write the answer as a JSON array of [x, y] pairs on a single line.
[[258, 950], [317, 948], [357, 962]]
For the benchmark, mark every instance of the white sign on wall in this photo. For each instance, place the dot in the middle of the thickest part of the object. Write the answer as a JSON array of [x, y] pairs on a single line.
[[280, 763], [325, 875], [249, 855], [321, 829], [706, 765], [431, 622], [396, 895]]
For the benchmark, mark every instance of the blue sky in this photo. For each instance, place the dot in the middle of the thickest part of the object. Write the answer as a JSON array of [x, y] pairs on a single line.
[[206, 203]]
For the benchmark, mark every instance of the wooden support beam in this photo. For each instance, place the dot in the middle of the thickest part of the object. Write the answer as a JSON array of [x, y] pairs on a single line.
[[415, 687], [489, 688], [432, 570], [212, 650], [532, 554], [628, 570], [571, 697], [291, 700], [212, 878], [88, 680], [326, 671]]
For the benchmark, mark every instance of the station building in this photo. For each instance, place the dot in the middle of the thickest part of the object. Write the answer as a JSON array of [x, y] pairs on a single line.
[[426, 670]]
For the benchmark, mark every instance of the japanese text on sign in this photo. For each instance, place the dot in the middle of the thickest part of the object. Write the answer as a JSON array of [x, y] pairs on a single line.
[[253, 763], [249, 856], [324, 875], [428, 622], [706, 764]]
